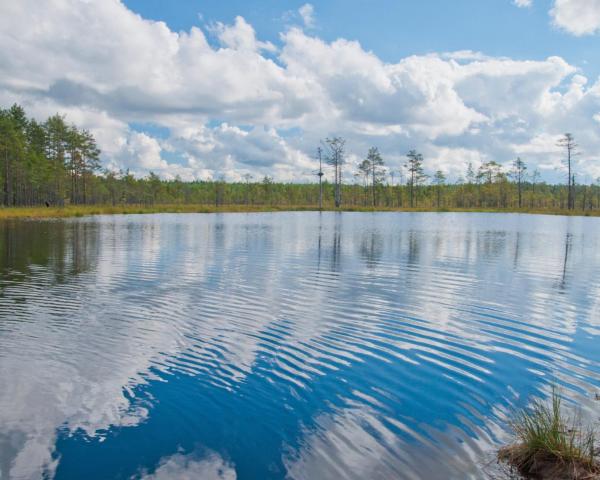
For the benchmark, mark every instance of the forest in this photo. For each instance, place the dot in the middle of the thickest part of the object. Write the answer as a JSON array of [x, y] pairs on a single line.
[[55, 163]]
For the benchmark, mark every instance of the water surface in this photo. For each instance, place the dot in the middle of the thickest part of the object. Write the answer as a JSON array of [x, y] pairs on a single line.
[[288, 345]]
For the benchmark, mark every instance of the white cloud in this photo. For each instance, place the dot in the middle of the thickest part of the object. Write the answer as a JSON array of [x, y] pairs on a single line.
[[355, 86], [454, 160], [240, 36], [307, 13], [85, 388], [230, 151], [81, 394], [579, 17], [523, 3], [248, 106], [182, 467]]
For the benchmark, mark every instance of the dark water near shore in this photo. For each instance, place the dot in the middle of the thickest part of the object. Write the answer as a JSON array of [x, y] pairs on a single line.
[[288, 345]]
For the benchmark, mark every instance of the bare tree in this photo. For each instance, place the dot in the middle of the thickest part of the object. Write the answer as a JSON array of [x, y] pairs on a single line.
[[335, 158], [320, 174], [568, 143]]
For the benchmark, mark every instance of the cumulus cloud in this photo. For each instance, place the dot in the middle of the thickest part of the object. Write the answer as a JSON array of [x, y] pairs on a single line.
[[240, 36], [579, 17], [230, 151], [245, 105]]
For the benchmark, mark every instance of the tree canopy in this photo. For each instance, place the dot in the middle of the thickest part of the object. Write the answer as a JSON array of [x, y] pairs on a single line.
[[57, 163]]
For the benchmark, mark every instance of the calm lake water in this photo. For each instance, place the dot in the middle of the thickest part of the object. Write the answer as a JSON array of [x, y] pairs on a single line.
[[288, 345]]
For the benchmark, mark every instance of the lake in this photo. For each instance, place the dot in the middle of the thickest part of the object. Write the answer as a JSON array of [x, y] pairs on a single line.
[[288, 345]]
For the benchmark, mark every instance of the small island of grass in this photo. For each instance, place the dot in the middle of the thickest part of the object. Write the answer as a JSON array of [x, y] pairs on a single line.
[[551, 445]]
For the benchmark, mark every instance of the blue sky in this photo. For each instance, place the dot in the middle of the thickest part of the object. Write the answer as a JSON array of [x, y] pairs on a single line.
[[394, 30], [210, 89]]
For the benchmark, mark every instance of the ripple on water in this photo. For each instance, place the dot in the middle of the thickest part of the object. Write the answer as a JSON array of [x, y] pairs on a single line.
[[288, 345]]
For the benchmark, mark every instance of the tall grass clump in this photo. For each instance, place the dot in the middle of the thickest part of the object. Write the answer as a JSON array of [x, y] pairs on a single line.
[[551, 445]]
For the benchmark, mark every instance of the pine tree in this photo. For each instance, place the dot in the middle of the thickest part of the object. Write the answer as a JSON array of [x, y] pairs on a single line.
[[376, 164], [518, 173], [414, 165]]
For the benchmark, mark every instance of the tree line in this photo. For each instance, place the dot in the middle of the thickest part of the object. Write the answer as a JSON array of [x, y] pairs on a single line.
[[56, 163], [46, 162]]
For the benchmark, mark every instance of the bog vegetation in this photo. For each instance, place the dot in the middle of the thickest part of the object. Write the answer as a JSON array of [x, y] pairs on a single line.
[[56, 164], [551, 445]]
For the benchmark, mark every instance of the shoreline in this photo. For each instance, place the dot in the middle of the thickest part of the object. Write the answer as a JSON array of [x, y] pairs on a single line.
[[10, 213]]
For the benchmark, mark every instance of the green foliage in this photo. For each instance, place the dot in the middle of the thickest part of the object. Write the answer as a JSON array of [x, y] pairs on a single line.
[[51, 162], [549, 441], [373, 171], [439, 179], [414, 165], [58, 164]]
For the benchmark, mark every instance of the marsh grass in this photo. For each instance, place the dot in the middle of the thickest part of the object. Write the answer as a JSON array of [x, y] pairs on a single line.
[[85, 210], [552, 445]]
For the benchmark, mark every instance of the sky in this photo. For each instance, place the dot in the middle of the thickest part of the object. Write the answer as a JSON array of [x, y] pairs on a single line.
[[205, 89]]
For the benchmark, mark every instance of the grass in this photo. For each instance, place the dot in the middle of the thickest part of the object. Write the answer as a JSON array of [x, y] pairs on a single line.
[[551, 445], [84, 210]]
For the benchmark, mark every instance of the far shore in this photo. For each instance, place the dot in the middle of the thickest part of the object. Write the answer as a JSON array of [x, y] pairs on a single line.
[[85, 210]]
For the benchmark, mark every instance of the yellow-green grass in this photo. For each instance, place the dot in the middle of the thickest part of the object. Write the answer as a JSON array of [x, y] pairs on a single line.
[[550, 444], [84, 210]]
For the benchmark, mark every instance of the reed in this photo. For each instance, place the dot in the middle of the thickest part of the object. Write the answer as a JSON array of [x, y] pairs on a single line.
[[551, 445]]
